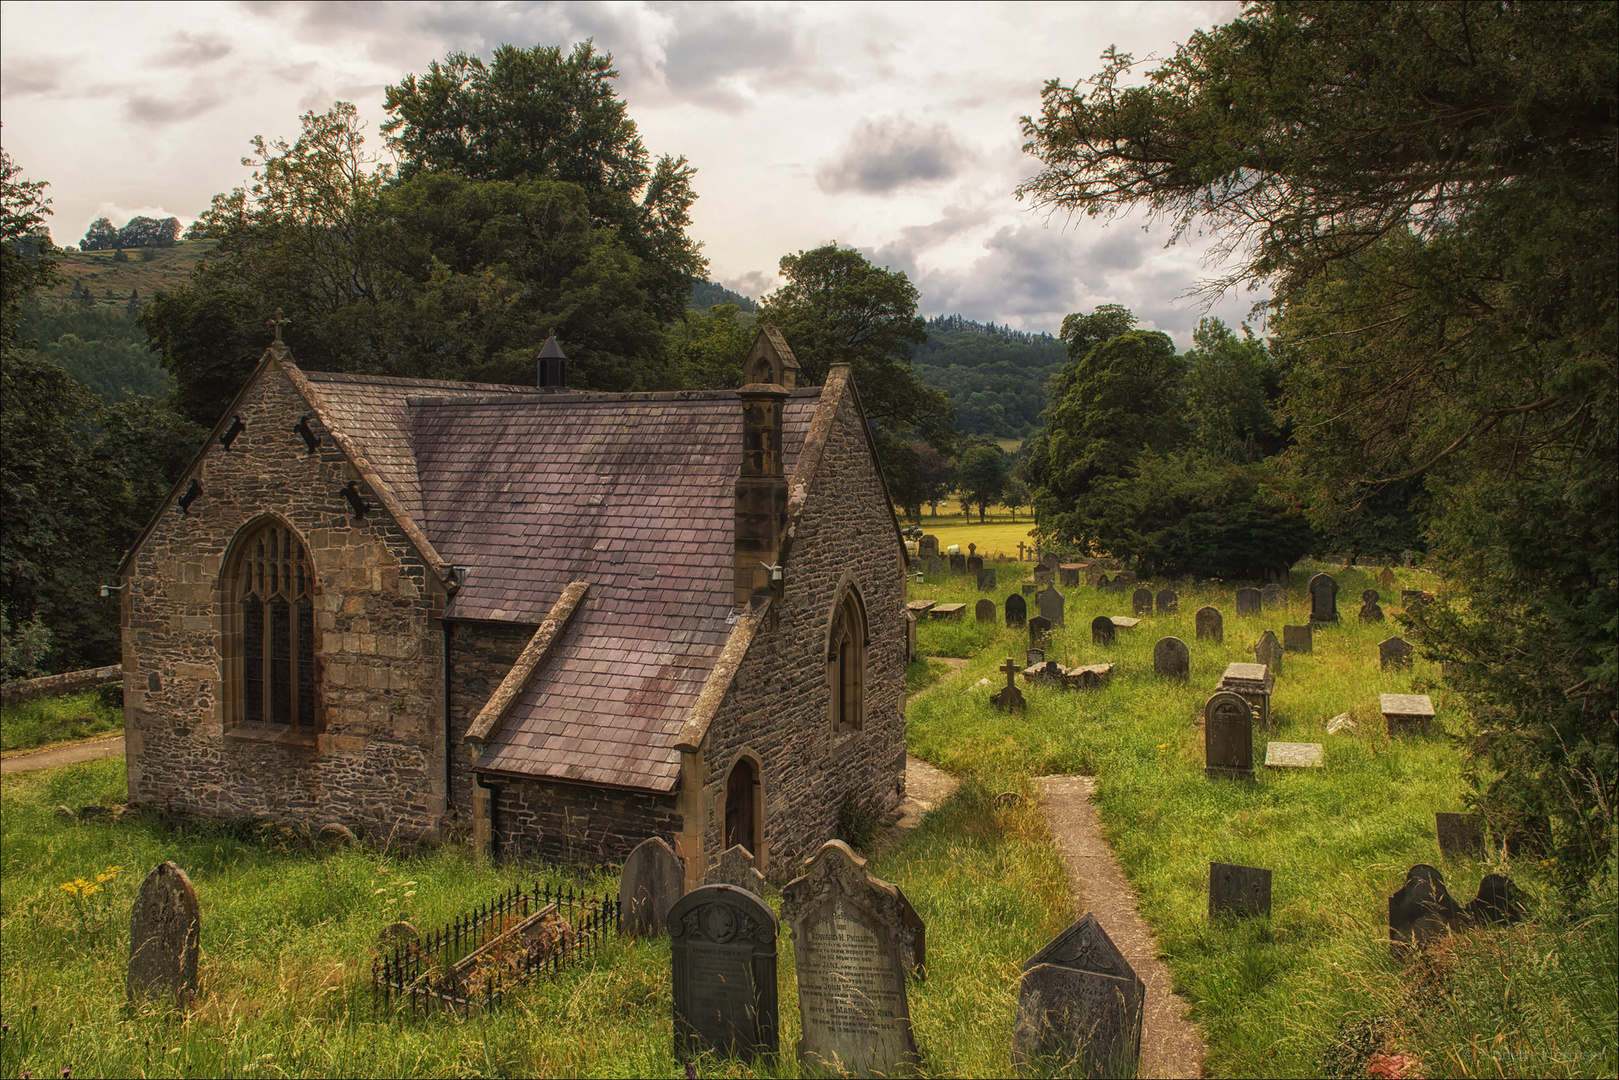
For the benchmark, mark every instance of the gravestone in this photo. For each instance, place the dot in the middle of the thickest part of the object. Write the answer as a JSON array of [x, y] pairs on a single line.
[[1017, 611], [928, 546], [1068, 574], [1104, 583], [919, 607], [165, 933], [396, 935], [1210, 624], [1421, 911], [1029, 588], [935, 566], [1125, 622], [1459, 835], [722, 950], [1033, 656], [1370, 610], [1009, 698], [1406, 714], [1269, 652], [975, 563], [987, 579], [947, 612], [652, 881], [958, 563], [984, 611], [1293, 755], [1045, 673], [1051, 604], [735, 868], [1298, 639], [1254, 684], [1102, 630], [1171, 657], [1039, 632], [1323, 598], [1228, 737], [1080, 1008], [1169, 601], [1497, 901], [1093, 573], [1241, 891], [1247, 601], [851, 934], [1272, 596], [1086, 676], [1394, 652], [1387, 576], [1123, 580], [1141, 601], [1369, 596]]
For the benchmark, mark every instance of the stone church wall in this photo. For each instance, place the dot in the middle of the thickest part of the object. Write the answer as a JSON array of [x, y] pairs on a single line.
[[374, 761], [481, 653], [577, 824]]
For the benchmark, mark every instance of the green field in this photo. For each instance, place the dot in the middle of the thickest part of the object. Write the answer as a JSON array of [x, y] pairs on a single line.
[[106, 278], [1000, 534], [48, 721]]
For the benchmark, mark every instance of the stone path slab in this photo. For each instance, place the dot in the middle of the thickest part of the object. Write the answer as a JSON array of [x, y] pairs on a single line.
[[1170, 1044]]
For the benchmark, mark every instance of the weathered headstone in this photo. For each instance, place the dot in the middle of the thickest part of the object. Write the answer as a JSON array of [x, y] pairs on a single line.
[[1171, 658], [1421, 912], [1102, 631], [1387, 576], [1459, 835], [1017, 611], [928, 546], [735, 867], [1169, 601], [1210, 624], [1268, 651], [958, 563], [1033, 656], [165, 935], [1141, 601], [1125, 622], [984, 610], [975, 563], [1009, 698], [1241, 891], [851, 934], [1068, 574], [1029, 588], [1086, 676], [1103, 582], [1044, 578], [1253, 683], [397, 934], [1293, 755], [987, 579], [1124, 580], [1497, 901], [1394, 652], [935, 566], [1039, 631], [1080, 1008], [1228, 737], [1247, 601], [1272, 596], [1369, 596], [1298, 638], [1045, 673], [1323, 598], [1370, 610], [1406, 714], [920, 607], [1051, 605], [651, 883], [722, 946]]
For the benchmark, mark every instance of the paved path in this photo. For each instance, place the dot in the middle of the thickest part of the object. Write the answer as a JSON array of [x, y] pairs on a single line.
[[1170, 1044], [71, 754]]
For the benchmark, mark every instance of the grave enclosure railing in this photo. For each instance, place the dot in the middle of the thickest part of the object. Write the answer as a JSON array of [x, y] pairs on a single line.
[[479, 957]]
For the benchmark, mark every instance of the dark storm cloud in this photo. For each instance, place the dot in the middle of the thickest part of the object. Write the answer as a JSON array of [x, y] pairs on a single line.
[[885, 155], [194, 50]]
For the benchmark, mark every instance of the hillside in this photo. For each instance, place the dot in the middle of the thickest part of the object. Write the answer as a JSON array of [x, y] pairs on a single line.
[[995, 376], [145, 271]]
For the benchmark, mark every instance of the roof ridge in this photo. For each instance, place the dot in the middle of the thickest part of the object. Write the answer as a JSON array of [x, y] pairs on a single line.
[[400, 380], [582, 396]]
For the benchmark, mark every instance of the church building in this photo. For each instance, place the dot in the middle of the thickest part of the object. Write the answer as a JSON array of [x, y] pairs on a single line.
[[560, 621]]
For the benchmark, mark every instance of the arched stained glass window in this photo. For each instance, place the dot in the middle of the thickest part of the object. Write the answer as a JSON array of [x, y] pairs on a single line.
[[274, 592]]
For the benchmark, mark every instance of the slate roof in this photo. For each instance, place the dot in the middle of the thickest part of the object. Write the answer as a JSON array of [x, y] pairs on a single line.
[[633, 493]]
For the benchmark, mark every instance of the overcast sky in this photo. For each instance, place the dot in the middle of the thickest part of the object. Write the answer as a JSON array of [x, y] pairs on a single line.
[[893, 129]]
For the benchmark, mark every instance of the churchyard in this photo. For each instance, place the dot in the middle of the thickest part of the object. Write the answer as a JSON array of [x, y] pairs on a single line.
[[289, 926]]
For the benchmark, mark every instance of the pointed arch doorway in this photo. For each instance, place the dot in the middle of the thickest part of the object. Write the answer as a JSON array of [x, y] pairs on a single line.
[[743, 824]]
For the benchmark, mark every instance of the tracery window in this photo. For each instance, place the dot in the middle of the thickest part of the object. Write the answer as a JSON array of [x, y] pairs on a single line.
[[846, 664], [275, 658]]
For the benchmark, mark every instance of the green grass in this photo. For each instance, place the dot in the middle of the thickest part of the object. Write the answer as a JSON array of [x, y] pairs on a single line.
[[1000, 534], [46, 721]]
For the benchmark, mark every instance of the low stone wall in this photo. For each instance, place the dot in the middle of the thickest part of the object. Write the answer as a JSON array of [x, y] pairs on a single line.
[[71, 682]]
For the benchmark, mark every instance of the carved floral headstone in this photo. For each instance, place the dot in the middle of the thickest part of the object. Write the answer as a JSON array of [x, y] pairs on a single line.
[[722, 948]]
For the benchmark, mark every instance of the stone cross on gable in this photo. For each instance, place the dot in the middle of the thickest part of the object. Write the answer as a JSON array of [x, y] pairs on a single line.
[[278, 322]]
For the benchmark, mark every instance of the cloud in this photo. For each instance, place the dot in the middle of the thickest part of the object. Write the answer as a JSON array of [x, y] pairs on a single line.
[[753, 284], [152, 111], [885, 155], [716, 51], [194, 50], [31, 75]]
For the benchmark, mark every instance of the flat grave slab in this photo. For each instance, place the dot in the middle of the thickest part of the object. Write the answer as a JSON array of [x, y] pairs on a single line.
[[1086, 676], [1125, 622], [1293, 755], [919, 606], [947, 611], [1406, 713]]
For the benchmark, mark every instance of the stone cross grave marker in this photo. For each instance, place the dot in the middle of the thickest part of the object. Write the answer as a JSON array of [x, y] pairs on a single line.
[[1247, 601], [958, 563], [1017, 611], [1394, 652], [722, 946], [1080, 1007], [1210, 625], [852, 932], [1370, 610], [1293, 755], [935, 565], [987, 579], [1228, 737], [735, 867], [984, 610], [1171, 658], [1421, 911], [1169, 601], [1240, 891], [1039, 631], [652, 881], [1051, 604], [1459, 835], [1323, 598], [928, 546], [1406, 714], [1268, 651], [1298, 639], [1141, 601], [1102, 630], [975, 563], [1272, 596], [1009, 698], [165, 936]]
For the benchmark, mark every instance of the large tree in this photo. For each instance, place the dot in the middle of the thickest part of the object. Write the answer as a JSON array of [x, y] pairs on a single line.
[[1430, 191]]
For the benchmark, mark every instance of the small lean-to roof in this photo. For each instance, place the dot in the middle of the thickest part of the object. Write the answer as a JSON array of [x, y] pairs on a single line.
[[632, 493]]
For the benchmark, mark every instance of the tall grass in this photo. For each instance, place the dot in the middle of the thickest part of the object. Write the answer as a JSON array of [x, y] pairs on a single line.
[[45, 721]]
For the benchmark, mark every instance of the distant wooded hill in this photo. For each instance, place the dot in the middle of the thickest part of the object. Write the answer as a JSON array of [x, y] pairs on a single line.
[[995, 376], [705, 294]]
